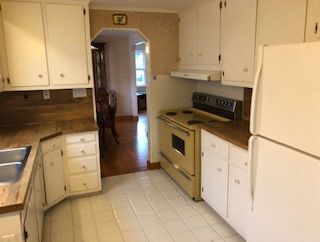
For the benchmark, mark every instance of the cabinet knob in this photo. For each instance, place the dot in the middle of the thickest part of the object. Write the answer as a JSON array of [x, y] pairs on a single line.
[[40, 75], [51, 164], [237, 181], [213, 146], [245, 69], [82, 140], [82, 151], [219, 169], [84, 167], [61, 75], [53, 145], [84, 183], [246, 163]]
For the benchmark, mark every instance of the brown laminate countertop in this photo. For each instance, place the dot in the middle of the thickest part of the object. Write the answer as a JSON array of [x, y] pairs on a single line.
[[236, 132], [13, 195]]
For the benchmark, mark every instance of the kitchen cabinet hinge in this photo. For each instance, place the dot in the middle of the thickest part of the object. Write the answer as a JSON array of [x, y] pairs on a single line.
[[219, 57], [223, 73], [61, 153], [201, 189], [89, 78], [221, 5], [84, 11], [8, 80], [179, 20], [65, 188], [316, 28], [26, 235]]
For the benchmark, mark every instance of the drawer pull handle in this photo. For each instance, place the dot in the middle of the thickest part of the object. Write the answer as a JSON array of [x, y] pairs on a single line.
[[84, 183], [82, 140], [237, 181]]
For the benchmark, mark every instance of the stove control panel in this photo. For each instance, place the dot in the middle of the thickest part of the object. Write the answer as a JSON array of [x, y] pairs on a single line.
[[217, 105]]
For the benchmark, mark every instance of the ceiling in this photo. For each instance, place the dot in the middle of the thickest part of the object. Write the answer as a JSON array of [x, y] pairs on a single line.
[[106, 35], [144, 5]]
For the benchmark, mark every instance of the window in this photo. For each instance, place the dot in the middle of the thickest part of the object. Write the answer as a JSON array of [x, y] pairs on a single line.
[[141, 74]]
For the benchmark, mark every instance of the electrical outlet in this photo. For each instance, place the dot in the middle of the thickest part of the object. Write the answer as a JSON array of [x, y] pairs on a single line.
[[77, 93], [46, 94]]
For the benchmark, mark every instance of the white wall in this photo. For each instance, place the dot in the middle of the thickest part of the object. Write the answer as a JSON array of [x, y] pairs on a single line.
[[120, 73]]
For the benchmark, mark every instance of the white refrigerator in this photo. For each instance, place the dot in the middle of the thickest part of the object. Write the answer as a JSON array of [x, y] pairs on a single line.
[[284, 148]]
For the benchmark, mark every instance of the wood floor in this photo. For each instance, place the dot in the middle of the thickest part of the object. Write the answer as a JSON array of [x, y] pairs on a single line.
[[131, 154]]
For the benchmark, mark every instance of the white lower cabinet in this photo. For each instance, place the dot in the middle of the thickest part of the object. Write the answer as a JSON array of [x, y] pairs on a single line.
[[224, 181], [214, 182], [53, 168], [31, 233]]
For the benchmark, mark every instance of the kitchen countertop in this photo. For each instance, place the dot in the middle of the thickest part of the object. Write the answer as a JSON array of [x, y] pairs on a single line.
[[236, 132], [13, 196]]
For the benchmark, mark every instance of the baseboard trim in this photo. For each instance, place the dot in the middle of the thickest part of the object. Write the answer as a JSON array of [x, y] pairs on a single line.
[[153, 166], [127, 117]]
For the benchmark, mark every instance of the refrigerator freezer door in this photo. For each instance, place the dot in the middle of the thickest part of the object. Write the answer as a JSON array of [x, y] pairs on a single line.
[[286, 194], [286, 103]]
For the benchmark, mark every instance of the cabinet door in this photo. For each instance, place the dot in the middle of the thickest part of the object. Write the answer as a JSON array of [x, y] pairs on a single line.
[[238, 24], [25, 44], [54, 177], [208, 33], [30, 223], [67, 52], [188, 33], [39, 196], [313, 21], [214, 176], [238, 199]]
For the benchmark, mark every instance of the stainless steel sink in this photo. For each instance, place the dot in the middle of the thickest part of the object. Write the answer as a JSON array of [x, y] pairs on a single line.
[[12, 163]]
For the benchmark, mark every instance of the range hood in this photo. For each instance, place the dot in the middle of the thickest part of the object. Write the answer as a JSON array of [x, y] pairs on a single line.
[[202, 75]]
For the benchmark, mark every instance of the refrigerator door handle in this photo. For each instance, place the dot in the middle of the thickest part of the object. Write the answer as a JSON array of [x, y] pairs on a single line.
[[255, 90], [252, 168]]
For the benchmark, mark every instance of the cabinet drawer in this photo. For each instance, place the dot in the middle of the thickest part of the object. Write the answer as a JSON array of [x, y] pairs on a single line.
[[84, 182], [51, 144], [81, 149], [80, 138], [214, 144], [239, 157], [81, 165]]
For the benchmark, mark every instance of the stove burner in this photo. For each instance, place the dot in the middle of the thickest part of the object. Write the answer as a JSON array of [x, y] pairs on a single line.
[[194, 122], [187, 111], [171, 113]]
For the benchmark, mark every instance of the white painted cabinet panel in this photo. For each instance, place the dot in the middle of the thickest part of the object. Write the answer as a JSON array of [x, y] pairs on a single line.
[[25, 44], [313, 21], [30, 223], [39, 195], [238, 199], [215, 188], [188, 32], [67, 54], [208, 33], [238, 30], [53, 167]]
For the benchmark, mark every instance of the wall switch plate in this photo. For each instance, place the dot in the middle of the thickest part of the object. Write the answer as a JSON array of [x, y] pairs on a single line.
[[80, 92], [46, 94]]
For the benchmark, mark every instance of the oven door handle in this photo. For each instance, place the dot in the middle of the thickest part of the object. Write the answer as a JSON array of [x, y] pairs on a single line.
[[173, 126]]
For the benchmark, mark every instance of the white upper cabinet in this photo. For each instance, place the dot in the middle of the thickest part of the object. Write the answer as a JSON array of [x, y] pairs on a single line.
[[313, 21], [188, 31], [208, 33], [200, 36], [67, 54], [282, 24], [238, 29], [25, 44], [47, 45]]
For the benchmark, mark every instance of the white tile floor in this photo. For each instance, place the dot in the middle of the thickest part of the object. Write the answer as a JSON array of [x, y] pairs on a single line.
[[136, 207]]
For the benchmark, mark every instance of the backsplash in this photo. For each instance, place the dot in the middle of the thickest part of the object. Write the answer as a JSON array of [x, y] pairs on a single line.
[[247, 103], [30, 107]]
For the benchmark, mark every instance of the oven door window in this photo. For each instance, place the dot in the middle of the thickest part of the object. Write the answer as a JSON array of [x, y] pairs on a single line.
[[178, 144]]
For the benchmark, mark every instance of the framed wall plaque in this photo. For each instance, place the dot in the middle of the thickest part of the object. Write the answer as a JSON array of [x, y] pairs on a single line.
[[119, 19]]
